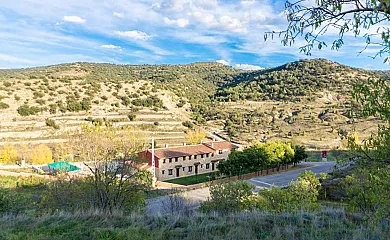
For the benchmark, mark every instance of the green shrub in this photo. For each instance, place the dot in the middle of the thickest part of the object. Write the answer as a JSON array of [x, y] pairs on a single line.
[[229, 197], [51, 123], [26, 110], [188, 124], [150, 101], [300, 195], [181, 103], [132, 117], [40, 101], [3, 105], [7, 84]]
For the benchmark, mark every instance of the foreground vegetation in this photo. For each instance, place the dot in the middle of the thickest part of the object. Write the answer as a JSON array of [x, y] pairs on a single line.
[[324, 224]]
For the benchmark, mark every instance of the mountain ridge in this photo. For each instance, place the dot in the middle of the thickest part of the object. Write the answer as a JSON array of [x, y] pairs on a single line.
[[211, 95]]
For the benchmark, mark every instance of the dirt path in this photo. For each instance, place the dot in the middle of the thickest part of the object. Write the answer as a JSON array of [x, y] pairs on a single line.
[[22, 174]]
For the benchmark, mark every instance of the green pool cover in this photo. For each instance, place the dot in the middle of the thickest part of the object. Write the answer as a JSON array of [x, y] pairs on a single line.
[[63, 166]]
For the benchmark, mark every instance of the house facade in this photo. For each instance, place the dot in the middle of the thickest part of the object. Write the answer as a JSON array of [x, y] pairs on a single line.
[[176, 162]]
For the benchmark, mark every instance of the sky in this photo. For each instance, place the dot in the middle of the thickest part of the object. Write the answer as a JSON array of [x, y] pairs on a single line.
[[47, 32]]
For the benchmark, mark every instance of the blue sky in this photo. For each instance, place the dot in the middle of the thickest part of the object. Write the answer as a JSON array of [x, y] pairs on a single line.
[[45, 32]]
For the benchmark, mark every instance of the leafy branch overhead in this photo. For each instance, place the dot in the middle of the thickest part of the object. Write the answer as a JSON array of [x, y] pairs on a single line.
[[367, 18]]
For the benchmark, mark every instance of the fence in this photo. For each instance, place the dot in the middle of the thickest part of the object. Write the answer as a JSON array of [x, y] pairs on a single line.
[[224, 180]]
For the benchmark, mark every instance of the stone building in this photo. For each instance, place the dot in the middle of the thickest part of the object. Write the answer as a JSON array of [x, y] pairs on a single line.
[[176, 162]]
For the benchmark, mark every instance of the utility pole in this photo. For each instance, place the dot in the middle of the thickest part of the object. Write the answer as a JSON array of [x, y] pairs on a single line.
[[153, 164]]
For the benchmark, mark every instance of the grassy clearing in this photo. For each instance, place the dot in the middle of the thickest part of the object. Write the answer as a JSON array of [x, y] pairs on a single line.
[[195, 179], [327, 224]]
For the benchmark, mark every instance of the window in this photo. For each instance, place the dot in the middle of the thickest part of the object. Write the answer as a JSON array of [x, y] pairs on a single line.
[[201, 156], [190, 169], [184, 168], [164, 160], [212, 155], [170, 160], [170, 171], [176, 159], [201, 165], [207, 154], [207, 165], [220, 151], [163, 171], [184, 158], [189, 157], [195, 156]]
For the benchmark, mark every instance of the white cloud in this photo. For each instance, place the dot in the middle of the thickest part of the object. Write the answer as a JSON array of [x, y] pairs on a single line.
[[74, 19], [244, 66], [134, 34], [13, 59], [181, 22], [110, 46], [222, 61], [118, 14]]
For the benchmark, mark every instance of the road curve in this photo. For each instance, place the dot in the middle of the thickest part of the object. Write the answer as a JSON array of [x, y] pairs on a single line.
[[282, 179], [156, 206]]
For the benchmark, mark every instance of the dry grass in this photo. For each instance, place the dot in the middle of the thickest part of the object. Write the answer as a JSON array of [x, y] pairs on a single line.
[[326, 224]]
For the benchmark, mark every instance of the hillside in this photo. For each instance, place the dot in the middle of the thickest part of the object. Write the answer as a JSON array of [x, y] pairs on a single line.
[[291, 81], [307, 101], [79, 93]]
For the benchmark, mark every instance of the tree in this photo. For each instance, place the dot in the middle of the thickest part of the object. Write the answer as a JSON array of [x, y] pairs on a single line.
[[195, 136], [8, 154], [111, 156], [365, 18], [299, 195], [299, 154], [229, 197], [41, 154], [62, 151]]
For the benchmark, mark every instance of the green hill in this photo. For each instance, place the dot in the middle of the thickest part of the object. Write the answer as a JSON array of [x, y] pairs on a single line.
[[291, 81], [307, 101]]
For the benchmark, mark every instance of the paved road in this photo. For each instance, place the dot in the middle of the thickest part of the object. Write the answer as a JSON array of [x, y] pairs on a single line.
[[160, 205], [282, 179]]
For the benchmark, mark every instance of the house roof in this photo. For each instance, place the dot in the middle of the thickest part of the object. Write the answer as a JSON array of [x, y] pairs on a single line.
[[221, 145], [182, 151], [192, 149]]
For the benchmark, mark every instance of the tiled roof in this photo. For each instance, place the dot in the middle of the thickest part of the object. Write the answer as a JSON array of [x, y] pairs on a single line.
[[221, 145], [190, 150], [182, 151]]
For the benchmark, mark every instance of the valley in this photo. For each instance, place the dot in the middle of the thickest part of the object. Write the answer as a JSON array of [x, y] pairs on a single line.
[[307, 102]]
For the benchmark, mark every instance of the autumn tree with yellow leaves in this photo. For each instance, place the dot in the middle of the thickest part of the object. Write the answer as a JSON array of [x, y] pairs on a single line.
[[41, 154], [195, 136], [8, 154]]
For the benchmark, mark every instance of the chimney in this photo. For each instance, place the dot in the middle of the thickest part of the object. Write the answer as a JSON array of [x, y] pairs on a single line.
[[201, 141], [166, 145], [184, 144], [212, 145]]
